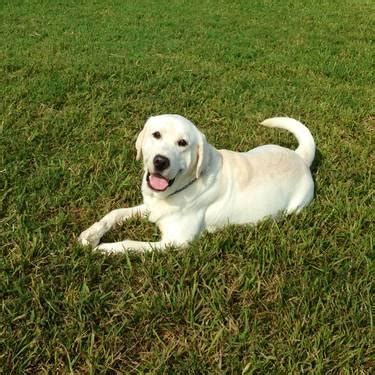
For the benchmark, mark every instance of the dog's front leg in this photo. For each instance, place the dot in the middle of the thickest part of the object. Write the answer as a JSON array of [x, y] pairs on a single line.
[[176, 231], [92, 235], [137, 246]]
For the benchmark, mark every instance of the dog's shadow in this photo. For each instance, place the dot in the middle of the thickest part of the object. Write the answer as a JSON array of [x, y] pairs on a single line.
[[317, 161], [315, 166]]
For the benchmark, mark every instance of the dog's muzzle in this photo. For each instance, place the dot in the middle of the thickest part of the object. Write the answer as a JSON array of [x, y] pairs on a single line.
[[155, 180]]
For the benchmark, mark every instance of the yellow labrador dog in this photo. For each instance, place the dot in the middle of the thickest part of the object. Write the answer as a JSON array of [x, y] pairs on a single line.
[[189, 186]]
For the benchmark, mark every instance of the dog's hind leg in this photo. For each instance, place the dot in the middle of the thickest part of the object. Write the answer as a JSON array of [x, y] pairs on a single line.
[[303, 196]]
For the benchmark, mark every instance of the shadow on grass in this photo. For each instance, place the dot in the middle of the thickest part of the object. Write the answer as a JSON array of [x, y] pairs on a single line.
[[318, 161]]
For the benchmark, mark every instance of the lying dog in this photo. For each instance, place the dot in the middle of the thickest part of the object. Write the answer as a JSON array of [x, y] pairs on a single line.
[[189, 186]]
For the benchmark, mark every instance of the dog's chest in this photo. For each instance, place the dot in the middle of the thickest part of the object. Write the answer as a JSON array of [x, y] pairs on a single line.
[[159, 209]]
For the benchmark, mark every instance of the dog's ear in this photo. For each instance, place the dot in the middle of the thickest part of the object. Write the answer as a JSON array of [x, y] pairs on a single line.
[[202, 155], [138, 144]]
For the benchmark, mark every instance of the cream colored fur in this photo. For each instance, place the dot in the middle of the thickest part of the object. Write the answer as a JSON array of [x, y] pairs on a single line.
[[211, 187]]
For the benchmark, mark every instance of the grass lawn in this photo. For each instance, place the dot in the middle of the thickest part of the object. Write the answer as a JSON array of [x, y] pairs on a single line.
[[77, 82]]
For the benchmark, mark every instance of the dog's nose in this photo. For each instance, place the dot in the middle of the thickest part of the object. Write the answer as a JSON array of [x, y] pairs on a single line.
[[161, 163]]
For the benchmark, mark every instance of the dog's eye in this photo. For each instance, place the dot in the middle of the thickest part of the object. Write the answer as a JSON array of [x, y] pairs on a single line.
[[182, 143], [156, 135]]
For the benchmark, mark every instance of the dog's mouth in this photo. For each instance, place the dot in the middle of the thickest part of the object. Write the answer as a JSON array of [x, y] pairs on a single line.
[[157, 182]]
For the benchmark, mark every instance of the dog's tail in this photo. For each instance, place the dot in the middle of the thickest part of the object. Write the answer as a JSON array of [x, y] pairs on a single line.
[[306, 148]]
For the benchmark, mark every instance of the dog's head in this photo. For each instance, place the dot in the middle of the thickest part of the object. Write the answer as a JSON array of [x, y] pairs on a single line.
[[173, 152]]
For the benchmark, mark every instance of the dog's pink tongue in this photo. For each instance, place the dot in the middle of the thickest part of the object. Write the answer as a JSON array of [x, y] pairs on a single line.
[[158, 182]]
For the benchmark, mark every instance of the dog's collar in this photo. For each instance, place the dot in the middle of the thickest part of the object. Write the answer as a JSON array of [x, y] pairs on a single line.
[[183, 188]]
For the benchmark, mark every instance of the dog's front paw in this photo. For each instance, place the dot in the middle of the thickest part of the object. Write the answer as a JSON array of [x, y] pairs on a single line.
[[91, 237]]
